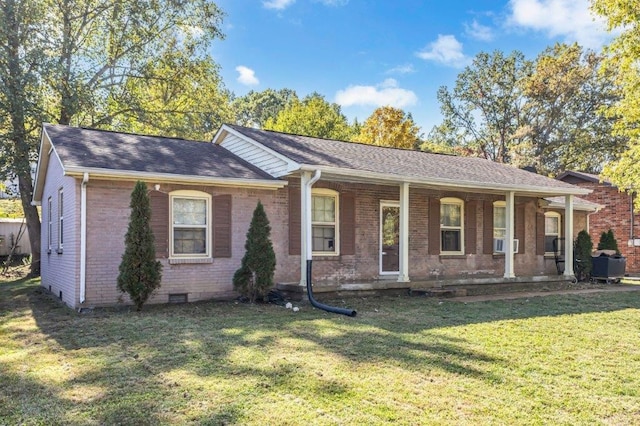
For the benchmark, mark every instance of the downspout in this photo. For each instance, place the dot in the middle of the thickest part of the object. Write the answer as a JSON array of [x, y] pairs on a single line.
[[83, 237], [309, 248]]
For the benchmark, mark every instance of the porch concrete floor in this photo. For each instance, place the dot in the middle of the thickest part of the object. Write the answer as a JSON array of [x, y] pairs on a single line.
[[529, 294]]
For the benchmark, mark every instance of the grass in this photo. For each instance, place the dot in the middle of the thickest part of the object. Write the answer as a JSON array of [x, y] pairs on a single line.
[[403, 360]]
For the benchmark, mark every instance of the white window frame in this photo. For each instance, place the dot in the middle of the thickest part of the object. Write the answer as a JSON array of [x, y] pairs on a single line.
[[558, 235], [60, 219], [323, 192], [195, 195], [49, 223], [499, 205], [452, 201]]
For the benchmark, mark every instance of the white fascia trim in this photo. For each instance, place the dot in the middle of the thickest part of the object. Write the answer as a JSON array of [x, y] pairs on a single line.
[[220, 135], [395, 179], [97, 173], [43, 165]]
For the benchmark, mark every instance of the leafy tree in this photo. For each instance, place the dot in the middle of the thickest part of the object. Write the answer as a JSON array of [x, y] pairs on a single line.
[[621, 60], [254, 278], [389, 126], [140, 272], [21, 97], [608, 242], [77, 61], [563, 127], [484, 110], [583, 247], [174, 96], [313, 116], [255, 108]]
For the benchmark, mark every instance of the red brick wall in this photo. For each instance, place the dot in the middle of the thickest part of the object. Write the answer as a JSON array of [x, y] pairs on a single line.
[[616, 215]]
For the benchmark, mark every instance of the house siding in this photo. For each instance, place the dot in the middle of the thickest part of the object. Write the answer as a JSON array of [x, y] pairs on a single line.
[[107, 221], [60, 272], [255, 155]]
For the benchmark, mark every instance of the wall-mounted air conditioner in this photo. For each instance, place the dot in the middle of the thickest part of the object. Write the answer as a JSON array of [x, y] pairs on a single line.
[[499, 245]]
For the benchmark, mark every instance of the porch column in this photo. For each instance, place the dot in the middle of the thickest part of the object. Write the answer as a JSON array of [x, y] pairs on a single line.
[[568, 236], [509, 234], [403, 275]]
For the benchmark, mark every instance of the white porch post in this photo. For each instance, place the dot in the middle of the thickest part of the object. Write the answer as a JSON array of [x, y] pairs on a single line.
[[403, 276], [568, 236], [509, 234], [305, 177]]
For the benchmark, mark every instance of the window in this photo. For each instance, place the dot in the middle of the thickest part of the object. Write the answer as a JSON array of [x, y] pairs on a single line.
[[60, 219], [324, 221], [499, 219], [451, 229], [49, 223], [190, 224], [551, 230]]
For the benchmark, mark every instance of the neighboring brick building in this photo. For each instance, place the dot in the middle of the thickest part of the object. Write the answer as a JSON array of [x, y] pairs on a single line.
[[617, 214], [368, 217]]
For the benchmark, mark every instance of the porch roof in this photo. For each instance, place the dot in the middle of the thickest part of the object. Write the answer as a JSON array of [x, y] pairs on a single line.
[[351, 161]]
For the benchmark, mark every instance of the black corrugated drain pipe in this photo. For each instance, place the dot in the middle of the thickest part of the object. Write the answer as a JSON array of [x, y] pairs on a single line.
[[315, 303]]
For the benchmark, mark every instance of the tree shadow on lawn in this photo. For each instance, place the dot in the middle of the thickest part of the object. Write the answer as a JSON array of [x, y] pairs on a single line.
[[137, 353]]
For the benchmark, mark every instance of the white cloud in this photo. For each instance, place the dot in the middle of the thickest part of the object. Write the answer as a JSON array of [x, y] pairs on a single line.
[[478, 31], [385, 93], [570, 19], [247, 76], [278, 4], [445, 50], [402, 69]]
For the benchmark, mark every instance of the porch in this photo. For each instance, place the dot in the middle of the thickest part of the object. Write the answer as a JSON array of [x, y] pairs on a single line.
[[433, 287]]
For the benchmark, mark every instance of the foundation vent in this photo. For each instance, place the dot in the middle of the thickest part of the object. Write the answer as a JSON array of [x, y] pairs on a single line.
[[178, 298]]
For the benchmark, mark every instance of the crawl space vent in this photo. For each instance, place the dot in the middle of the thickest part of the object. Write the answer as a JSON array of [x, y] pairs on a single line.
[[178, 298]]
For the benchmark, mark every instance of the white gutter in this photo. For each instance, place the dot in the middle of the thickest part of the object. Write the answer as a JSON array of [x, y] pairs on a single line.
[[173, 178], [83, 237], [307, 214]]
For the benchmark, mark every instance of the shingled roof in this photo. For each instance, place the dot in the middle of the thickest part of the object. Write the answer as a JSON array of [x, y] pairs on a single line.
[[100, 149], [467, 172], [107, 154]]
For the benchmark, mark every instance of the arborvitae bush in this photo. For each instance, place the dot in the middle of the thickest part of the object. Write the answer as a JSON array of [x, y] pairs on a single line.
[[140, 272], [255, 276], [608, 242], [583, 247]]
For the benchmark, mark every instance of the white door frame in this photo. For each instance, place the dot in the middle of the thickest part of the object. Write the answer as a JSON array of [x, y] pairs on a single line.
[[386, 203]]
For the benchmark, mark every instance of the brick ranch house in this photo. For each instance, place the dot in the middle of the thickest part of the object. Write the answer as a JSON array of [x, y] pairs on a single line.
[[616, 214], [374, 217]]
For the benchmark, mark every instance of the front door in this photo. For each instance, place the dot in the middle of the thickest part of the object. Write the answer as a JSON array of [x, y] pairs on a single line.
[[389, 238]]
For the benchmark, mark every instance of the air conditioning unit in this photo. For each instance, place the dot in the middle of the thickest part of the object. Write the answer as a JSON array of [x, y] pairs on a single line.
[[499, 245]]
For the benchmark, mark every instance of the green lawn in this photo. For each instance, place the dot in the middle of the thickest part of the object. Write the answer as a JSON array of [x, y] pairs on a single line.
[[403, 360]]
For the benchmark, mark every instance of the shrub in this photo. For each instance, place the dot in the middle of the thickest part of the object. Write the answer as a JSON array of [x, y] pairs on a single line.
[[608, 242], [255, 276], [582, 248], [140, 272]]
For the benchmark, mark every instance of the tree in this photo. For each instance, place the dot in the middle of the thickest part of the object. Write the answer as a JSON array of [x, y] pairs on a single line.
[[583, 246], [621, 59], [564, 128], [140, 272], [255, 108], [174, 96], [484, 110], [608, 241], [389, 126], [313, 116], [254, 278], [74, 61]]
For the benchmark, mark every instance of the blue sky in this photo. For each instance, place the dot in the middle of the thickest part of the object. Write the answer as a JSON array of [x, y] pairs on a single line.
[[364, 54]]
